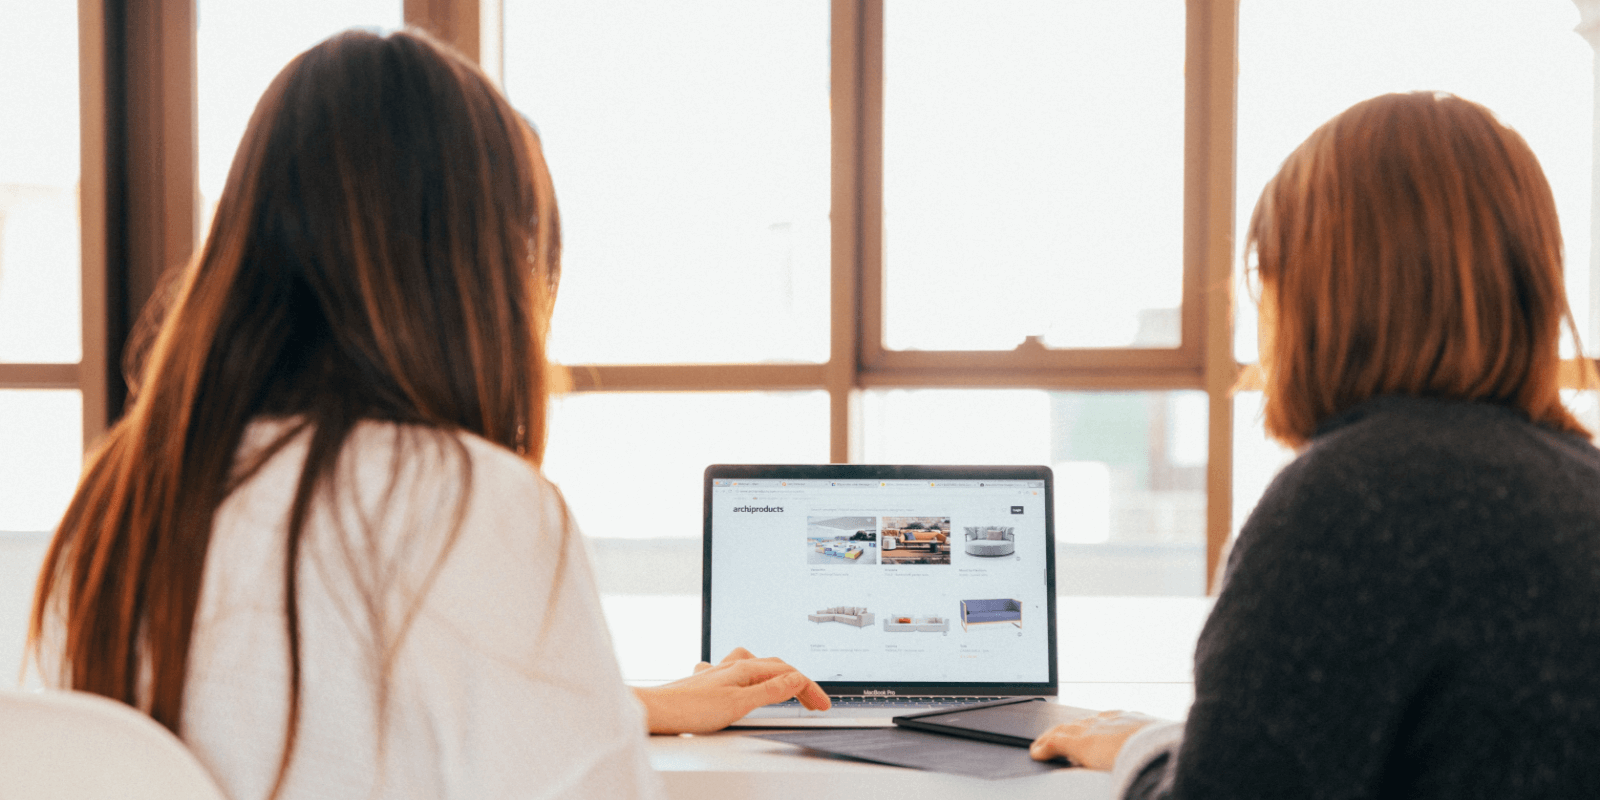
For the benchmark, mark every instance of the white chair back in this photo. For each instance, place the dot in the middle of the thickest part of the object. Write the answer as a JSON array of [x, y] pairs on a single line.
[[60, 745]]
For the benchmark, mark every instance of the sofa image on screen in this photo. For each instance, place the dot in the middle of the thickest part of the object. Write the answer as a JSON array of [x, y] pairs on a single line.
[[927, 541], [906, 623], [914, 540], [991, 541], [849, 615], [986, 612], [841, 550]]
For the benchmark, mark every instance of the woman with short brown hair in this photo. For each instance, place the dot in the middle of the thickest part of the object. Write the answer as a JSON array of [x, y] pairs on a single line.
[[1413, 608], [1409, 247]]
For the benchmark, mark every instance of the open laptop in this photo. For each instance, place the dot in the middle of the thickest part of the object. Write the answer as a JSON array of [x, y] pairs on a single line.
[[897, 588]]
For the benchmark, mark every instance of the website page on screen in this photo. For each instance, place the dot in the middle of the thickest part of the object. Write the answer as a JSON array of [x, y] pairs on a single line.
[[896, 580]]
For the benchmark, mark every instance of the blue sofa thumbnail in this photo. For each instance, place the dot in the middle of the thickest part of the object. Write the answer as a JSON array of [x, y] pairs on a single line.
[[984, 612]]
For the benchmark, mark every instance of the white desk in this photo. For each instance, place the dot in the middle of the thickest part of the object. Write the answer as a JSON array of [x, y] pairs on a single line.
[[732, 765]]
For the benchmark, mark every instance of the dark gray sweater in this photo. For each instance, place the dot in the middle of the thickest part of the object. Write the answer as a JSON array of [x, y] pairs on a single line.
[[1412, 610]]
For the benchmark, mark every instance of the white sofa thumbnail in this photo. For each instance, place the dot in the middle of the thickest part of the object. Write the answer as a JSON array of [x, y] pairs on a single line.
[[930, 624]]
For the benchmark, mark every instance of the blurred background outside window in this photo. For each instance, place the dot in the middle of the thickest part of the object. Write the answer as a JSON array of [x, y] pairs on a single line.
[[1033, 167]]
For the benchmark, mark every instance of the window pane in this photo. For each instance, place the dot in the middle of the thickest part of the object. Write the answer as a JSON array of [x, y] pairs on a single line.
[[1301, 63], [1585, 405], [41, 435], [241, 47], [1256, 458], [1033, 173], [21, 555], [39, 276], [690, 149], [1130, 470], [630, 466]]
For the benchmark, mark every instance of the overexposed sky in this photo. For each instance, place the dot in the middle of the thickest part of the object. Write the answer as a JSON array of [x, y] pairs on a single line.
[[1302, 63], [1033, 148]]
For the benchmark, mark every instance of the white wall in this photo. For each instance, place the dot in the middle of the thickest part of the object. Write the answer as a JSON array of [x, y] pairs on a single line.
[[20, 557]]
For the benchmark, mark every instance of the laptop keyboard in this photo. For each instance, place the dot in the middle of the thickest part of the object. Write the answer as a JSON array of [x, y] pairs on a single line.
[[903, 702]]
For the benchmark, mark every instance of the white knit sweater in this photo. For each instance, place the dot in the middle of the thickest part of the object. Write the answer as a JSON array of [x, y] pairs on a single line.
[[504, 683]]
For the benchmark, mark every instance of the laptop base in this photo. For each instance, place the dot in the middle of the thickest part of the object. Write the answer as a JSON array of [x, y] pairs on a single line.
[[851, 712]]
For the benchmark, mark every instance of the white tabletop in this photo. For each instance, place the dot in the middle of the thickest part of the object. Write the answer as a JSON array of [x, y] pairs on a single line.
[[730, 764]]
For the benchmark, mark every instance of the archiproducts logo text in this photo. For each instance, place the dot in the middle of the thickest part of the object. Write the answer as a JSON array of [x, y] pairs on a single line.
[[758, 510]]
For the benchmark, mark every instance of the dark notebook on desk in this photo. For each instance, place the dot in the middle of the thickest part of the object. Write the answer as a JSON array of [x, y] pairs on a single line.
[[897, 588], [1010, 722], [987, 740]]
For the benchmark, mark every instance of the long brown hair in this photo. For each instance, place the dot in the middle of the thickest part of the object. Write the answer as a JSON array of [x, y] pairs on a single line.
[[1409, 246], [386, 248]]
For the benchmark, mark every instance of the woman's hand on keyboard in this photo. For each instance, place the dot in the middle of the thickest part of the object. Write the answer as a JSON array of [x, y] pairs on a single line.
[[716, 695], [1091, 742]]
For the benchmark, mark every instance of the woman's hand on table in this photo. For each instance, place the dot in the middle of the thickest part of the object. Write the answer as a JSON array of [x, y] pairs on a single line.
[[716, 695], [1092, 742]]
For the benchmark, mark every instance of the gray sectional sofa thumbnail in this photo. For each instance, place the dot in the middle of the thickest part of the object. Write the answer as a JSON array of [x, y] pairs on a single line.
[[986, 612], [849, 615]]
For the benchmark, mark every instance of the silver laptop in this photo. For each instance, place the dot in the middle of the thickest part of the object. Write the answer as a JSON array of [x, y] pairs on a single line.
[[897, 588]]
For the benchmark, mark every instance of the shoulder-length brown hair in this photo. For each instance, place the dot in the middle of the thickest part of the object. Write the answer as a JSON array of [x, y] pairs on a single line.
[[386, 248], [1410, 246]]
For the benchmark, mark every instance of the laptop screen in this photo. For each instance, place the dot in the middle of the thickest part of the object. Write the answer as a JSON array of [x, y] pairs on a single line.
[[933, 577]]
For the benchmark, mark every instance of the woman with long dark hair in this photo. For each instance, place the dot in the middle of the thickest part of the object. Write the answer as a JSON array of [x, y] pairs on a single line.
[[1413, 609], [317, 546]]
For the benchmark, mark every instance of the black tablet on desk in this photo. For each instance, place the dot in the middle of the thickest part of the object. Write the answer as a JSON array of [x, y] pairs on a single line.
[[1013, 722]]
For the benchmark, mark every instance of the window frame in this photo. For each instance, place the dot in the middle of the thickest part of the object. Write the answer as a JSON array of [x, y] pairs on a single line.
[[858, 360], [139, 214], [88, 375]]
